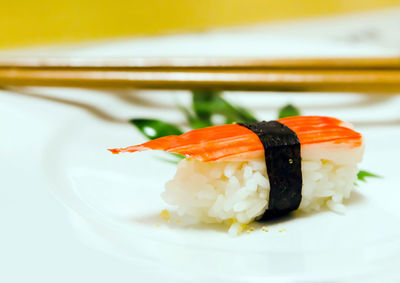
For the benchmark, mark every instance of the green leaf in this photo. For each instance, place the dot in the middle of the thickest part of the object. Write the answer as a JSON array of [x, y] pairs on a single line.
[[233, 113], [363, 174], [288, 111], [194, 122], [177, 155], [246, 115], [207, 103], [154, 129], [203, 103]]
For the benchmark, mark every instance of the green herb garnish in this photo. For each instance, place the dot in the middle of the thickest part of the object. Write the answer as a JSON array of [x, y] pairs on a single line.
[[363, 174], [194, 121], [288, 111], [207, 104], [154, 129]]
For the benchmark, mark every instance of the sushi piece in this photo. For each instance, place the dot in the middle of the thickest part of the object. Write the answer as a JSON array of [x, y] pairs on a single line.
[[239, 173]]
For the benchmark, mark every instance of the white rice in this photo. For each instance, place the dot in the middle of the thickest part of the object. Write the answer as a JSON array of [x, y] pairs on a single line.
[[237, 191]]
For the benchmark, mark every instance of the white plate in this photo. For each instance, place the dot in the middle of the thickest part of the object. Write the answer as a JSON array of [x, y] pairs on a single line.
[[116, 200]]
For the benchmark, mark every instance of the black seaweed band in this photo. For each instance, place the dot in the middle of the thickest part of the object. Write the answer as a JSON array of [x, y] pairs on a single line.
[[283, 161]]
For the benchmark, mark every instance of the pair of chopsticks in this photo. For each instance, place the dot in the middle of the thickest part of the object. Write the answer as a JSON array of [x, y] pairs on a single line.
[[323, 74]]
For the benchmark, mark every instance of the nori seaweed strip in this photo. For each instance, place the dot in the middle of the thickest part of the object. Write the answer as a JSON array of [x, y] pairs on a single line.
[[283, 161]]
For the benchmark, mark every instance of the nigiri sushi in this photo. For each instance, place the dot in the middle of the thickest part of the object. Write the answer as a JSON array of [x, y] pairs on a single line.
[[239, 173]]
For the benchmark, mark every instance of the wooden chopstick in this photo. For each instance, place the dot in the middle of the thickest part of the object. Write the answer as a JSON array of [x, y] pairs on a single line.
[[204, 62], [337, 74]]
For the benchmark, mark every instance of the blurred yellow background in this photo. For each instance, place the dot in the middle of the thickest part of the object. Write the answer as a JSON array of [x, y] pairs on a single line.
[[37, 22]]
